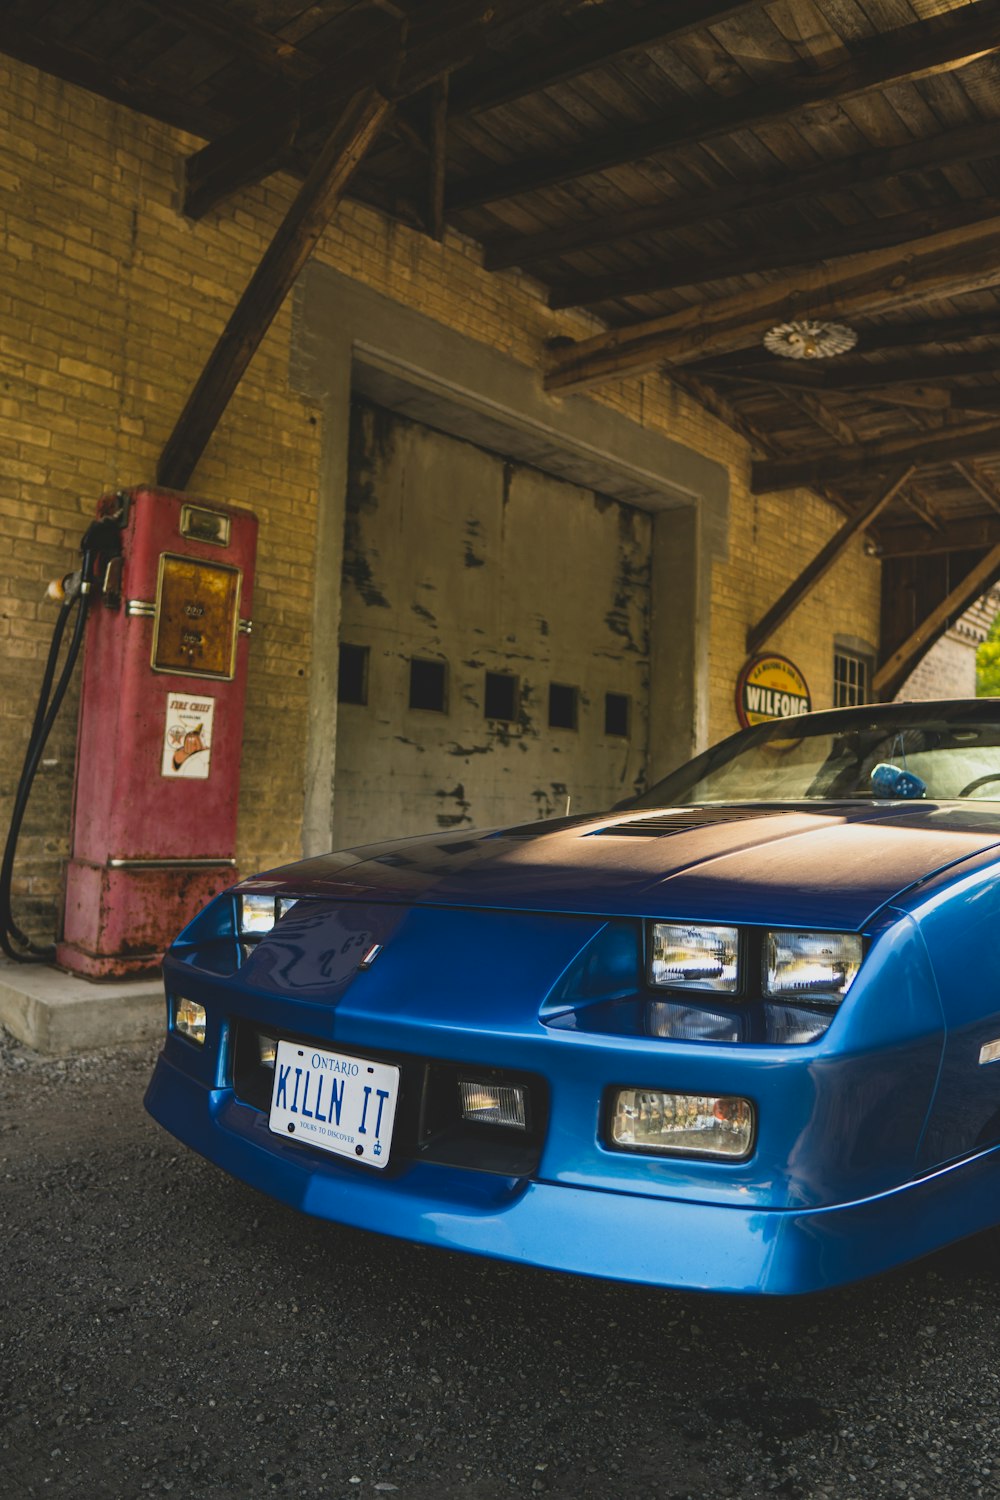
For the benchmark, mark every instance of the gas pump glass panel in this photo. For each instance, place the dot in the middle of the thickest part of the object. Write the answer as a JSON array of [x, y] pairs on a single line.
[[197, 617], [739, 1034]]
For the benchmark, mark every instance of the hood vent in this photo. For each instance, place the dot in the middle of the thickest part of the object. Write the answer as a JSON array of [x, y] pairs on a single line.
[[658, 825]]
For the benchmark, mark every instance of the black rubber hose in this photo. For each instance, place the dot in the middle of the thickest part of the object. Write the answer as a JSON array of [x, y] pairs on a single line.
[[49, 702]]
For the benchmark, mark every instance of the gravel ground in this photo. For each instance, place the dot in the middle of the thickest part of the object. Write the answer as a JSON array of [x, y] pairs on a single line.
[[164, 1329]]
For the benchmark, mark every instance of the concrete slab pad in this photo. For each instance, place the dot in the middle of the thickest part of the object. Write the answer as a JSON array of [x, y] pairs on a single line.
[[59, 1014]]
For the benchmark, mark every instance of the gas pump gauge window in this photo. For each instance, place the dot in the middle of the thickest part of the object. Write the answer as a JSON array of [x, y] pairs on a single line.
[[197, 617]]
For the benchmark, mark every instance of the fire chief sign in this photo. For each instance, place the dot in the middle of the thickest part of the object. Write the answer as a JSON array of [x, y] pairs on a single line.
[[770, 687]]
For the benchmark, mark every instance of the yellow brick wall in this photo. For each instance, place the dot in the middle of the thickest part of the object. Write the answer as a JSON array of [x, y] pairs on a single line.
[[110, 302]]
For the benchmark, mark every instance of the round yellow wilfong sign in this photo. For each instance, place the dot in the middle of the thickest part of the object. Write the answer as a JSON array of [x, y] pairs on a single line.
[[770, 687]]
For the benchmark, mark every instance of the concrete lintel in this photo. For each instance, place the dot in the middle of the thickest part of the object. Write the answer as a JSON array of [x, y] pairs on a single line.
[[405, 361], [59, 1014]]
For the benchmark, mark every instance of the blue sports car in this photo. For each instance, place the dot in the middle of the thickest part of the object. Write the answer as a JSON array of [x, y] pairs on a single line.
[[740, 1034]]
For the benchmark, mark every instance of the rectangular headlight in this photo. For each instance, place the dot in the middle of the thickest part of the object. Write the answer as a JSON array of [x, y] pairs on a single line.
[[684, 1124], [817, 966], [190, 1020], [694, 957], [494, 1104], [257, 915]]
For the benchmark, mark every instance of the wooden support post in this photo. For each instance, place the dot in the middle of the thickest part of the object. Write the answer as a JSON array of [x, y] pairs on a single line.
[[438, 164], [822, 563], [273, 279], [900, 664]]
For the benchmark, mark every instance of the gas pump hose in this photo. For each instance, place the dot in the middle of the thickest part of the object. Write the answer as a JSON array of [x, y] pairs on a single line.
[[98, 540]]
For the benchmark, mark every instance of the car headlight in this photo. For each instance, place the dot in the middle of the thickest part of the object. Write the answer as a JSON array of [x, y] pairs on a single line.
[[811, 966], [258, 914], [688, 957]]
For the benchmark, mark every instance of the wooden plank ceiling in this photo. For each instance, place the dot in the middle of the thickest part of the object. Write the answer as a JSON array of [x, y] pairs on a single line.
[[691, 172]]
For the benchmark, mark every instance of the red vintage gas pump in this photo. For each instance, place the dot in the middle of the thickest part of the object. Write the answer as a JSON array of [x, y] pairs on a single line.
[[160, 733]]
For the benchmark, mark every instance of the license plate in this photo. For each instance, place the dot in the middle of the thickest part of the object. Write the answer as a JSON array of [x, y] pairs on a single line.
[[341, 1104]]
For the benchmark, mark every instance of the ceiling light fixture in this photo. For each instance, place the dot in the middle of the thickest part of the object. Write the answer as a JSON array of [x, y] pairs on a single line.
[[809, 339]]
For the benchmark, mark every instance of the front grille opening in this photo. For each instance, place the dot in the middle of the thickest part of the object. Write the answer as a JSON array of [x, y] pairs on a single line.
[[429, 1122]]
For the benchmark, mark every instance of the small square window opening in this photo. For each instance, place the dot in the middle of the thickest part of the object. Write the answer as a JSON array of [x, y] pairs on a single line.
[[500, 700], [428, 684], [617, 712], [352, 675], [851, 678], [562, 706]]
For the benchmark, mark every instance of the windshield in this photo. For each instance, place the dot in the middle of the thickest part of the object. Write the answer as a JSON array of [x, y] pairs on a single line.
[[941, 752]]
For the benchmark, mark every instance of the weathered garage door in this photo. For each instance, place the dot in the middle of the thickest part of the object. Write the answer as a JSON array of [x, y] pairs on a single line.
[[494, 655]]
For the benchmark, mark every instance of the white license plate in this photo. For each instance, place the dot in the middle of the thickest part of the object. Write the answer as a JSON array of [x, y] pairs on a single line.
[[341, 1104]]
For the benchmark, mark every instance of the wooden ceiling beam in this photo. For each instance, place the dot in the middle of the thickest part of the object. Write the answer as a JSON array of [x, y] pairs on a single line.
[[970, 534], [922, 506], [284, 258], [845, 373], [378, 48], [243, 156], [234, 33], [583, 47], [86, 71], [968, 144], [910, 51], [896, 668], [943, 445], [981, 483], [776, 252], [824, 561], [941, 265], [880, 338]]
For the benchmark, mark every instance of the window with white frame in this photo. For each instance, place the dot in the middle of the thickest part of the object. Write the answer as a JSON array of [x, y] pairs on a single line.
[[852, 675]]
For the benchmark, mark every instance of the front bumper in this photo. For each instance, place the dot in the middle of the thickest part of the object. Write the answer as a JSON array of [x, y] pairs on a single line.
[[622, 1235]]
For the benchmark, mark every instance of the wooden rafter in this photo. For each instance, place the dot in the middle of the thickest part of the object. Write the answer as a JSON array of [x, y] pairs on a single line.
[[844, 374], [583, 47], [133, 89], [237, 159], [968, 144], [234, 33], [897, 667], [970, 534], [943, 445], [981, 483], [282, 261], [773, 253], [940, 265], [823, 562], [386, 52], [883, 339], [910, 51]]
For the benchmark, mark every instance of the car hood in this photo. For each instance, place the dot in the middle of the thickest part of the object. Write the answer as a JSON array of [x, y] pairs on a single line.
[[828, 865]]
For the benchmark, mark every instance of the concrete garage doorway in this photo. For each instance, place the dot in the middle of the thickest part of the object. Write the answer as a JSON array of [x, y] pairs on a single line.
[[512, 589], [494, 641]]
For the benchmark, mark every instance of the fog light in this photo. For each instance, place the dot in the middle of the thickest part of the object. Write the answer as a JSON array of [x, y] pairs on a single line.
[[682, 1124], [189, 1020], [494, 1104]]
